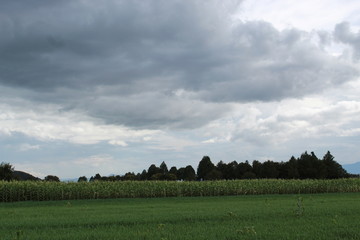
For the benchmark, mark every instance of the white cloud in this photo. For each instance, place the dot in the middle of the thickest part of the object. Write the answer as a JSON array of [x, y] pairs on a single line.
[[274, 123], [306, 15], [96, 161], [27, 147], [170, 141], [119, 143], [46, 122]]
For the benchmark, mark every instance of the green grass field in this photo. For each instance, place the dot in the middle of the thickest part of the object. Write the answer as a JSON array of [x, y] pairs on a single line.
[[317, 216]]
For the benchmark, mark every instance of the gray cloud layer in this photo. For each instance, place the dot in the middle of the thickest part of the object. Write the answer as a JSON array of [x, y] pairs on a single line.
[[343, 34], [175, 64]]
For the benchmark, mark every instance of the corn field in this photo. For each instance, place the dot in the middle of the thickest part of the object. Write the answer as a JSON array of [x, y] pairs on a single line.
[[45, 191]]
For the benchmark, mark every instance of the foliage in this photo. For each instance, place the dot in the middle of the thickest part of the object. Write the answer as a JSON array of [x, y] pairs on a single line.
[[6, 171], [82, 179], [52, 178], [205, 168], [42, 191]]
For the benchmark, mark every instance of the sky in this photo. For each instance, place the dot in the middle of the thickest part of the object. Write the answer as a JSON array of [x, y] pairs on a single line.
[[114, 86]]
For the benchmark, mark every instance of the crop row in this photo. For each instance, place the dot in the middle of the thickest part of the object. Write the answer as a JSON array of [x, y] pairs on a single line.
[[43, 191]]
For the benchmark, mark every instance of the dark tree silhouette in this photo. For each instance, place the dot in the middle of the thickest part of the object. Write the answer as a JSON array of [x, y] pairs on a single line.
[[292, 168], [180, 173], [173, 170], [51, 178], [97, 177], [256, 166], [163, 168], [204, 168], [307, 166], [143, 175], [189, 173], [129, 176], [152, 171], [6, 171], [82, 179], [243, 168], [333, 169], [224, 169], [214, 174], [269, 169], [228, 171]]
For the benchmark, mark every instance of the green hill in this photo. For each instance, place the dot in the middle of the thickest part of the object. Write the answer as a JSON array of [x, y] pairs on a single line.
[[23, 176]]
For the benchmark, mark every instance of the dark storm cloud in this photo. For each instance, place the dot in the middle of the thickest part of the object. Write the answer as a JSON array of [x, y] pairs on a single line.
[[127, 61]]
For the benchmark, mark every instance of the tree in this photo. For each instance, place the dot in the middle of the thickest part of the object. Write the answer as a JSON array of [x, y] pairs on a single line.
[[82, 179], [157, 176], [170, 177], [6, 171], [180, 173], [292, 168], [231, 170], [249, 175], [163, 168], [173, 170], [189, 173], [223, 168], [333, 169], [310, 166], [143, 175], [51, 178], [243, 168], [257, 166], [96, 178], [152, 171], [129, 176], [205, 167], [214, 174], [269, 170]]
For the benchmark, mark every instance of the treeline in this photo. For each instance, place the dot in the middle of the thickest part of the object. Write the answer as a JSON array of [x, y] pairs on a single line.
[[307, 166]]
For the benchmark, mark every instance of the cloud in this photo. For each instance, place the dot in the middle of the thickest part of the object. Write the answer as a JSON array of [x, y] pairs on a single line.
[[96, 160], [344, 35], [49, 123], [285, 14], [27, 147], [154, 65], [272, 124]]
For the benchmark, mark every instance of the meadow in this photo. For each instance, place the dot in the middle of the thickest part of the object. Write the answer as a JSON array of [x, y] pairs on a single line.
[[44, 191], [288, 216]]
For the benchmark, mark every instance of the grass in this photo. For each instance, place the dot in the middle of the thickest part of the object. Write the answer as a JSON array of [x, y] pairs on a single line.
[[318, 216]]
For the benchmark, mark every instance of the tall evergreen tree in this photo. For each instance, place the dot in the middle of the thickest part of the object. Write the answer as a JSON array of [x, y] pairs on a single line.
[[205, 167], [333, 169], [163, 168]]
